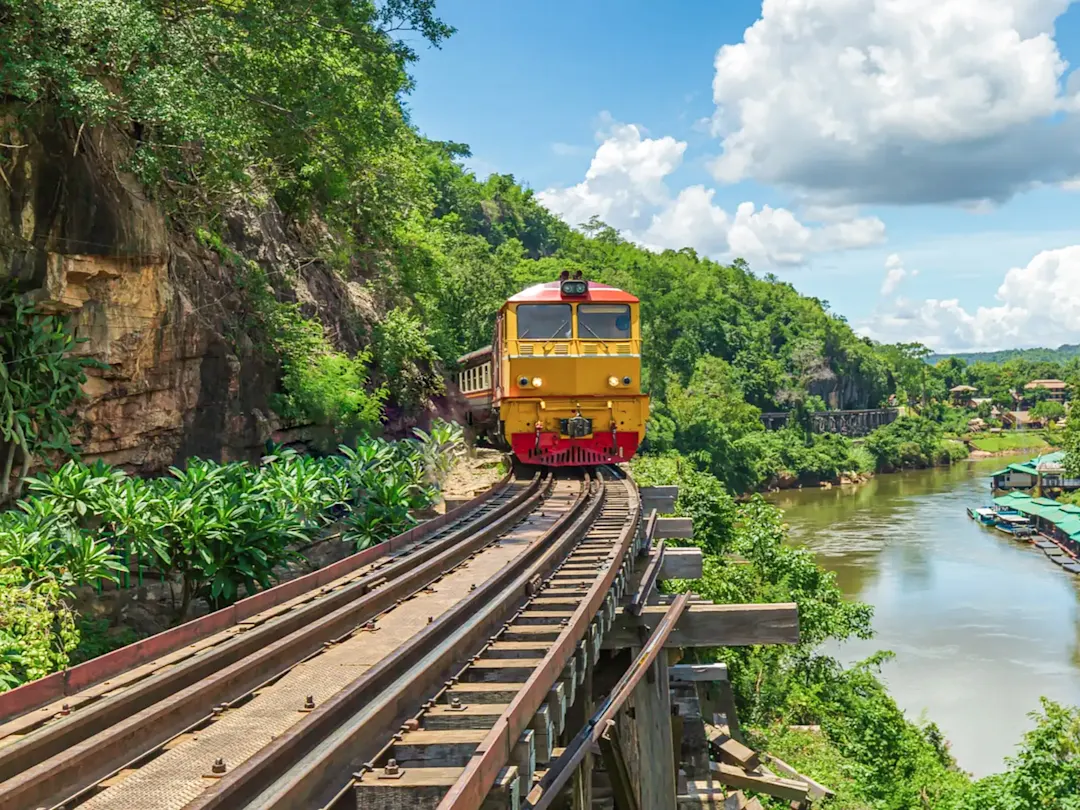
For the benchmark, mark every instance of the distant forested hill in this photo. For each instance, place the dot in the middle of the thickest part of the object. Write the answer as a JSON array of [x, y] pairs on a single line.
[[1059, 355]]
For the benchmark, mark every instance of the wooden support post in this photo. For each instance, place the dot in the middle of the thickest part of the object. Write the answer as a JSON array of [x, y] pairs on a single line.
[[678, 733], [652, 715], [582, 712], [622, 784], [688, 730], [726, 701]]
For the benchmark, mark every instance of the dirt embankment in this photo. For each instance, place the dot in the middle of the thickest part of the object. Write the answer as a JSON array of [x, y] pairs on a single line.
[[976, 453], [474, 473]]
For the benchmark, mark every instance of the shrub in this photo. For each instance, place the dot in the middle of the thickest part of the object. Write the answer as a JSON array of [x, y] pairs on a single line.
[[406, 359], [40, 381], [222, 529], [321, 386], [37, 629], [909, 442]]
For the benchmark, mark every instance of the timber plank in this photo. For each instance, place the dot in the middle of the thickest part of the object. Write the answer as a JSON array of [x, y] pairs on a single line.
[[779, 787], [703, 624], [682, 563]]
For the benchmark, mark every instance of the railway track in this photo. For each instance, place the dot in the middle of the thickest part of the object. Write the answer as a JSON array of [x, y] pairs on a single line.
[[442, 672]]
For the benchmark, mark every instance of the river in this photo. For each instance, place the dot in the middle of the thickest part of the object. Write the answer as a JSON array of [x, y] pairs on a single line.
[[981, 625]]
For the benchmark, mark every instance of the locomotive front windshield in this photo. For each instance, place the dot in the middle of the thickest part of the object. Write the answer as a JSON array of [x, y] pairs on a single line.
[[604, 321], [544, 321]]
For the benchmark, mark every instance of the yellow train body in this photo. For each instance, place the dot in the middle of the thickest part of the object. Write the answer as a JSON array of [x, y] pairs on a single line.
[[563, 376]]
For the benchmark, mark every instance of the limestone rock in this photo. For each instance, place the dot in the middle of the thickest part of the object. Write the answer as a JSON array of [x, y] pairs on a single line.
[[184, 378]]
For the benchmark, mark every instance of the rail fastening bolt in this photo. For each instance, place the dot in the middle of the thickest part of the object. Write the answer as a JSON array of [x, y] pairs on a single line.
[[455, 703], [430, 619], [472, 587], [65, 709], [391, 768], [309, 702], [218, 766]]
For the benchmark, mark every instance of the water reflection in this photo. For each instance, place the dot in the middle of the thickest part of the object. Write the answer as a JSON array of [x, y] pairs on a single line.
[[981, 626]]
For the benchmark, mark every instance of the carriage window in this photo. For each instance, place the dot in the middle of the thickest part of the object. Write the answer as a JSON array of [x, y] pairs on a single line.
[[603, 321], [543, 321]]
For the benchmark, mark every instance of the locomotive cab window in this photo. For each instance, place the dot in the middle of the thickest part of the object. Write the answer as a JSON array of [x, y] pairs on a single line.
[[543, 321], [603, 321]]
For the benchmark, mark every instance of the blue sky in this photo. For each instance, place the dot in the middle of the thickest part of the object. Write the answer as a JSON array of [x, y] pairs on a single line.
[[930, 148]]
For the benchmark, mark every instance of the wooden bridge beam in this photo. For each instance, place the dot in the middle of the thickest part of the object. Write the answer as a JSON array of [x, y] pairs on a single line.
[[703, 624]]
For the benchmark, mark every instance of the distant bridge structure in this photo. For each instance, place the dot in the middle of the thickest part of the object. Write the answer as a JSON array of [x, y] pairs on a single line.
[[846, 423]]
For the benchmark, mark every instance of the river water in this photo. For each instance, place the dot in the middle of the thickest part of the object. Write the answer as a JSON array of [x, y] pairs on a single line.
[[981, 625]]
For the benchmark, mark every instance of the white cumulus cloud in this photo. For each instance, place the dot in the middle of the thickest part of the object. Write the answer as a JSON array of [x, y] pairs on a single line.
[[898, 101], [895, 272], [625, 186], [1039, 305]]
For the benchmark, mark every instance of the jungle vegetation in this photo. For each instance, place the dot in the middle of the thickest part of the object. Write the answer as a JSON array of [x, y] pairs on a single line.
[[301, 107]]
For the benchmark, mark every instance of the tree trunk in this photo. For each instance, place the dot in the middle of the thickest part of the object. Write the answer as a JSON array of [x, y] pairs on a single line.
[[5, 484], [185, 601], [26, 458]]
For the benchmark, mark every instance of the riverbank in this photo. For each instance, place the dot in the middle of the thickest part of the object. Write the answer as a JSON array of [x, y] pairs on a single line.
[[990, 445], [974, 619], [948, 452]]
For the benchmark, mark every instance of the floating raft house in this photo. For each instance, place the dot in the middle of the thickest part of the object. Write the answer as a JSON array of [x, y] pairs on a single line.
[[1048, 514]]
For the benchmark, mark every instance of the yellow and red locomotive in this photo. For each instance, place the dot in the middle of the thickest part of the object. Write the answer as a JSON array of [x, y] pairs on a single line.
[[560, 385]]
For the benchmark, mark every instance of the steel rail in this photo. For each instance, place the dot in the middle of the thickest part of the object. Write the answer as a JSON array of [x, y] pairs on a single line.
[[537, 589], [648, 582], [64, 759], [347, 730], [480, 774], [650, 530], [563, 768]]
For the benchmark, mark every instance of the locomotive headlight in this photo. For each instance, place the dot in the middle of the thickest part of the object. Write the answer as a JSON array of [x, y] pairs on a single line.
[[613, 381], [536, 381], [625, 380], [523, 382]]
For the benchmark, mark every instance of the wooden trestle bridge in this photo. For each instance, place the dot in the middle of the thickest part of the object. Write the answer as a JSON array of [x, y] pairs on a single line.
[[515, 652]]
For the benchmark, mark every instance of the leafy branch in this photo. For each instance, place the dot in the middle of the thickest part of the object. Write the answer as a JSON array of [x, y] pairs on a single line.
[[40, 382]]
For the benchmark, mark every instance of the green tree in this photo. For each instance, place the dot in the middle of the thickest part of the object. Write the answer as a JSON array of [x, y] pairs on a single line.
[[301, 100], [952, 370], [1048, 410], [909, 370], [1045, 772], [1070, 440], [710, 418], [406, 360]]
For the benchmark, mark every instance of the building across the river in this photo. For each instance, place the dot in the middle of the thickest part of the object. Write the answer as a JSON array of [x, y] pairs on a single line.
[[963, 395], [1057, 390], [1046, 472]]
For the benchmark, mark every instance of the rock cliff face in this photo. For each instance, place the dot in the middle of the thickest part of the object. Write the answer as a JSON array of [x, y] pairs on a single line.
[[81, 235], [843, 393]]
